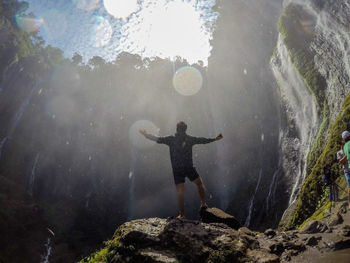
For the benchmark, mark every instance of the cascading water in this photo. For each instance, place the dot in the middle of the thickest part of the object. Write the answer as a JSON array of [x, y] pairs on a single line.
[[32, 175], [273, 185], [302, 118], [132, 185], [251, 202], [48, 248], [18, 116], [332, 48]]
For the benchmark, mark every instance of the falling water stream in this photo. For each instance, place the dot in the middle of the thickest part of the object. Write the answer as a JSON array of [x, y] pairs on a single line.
[[301, 111], [46, 256], [32, 175], [18, 116], [251, 202]]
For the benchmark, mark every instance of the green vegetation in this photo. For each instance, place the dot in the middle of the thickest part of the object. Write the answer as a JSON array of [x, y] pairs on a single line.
[[15, 43], [319, 214], [297, 36], [229, 255], [313, 194], [312, 203], [297, 39]]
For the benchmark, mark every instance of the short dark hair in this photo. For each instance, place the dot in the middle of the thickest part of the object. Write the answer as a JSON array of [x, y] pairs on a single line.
[[181, 127]]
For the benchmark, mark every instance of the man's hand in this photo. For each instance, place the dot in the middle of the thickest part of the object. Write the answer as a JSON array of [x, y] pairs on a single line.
[[143, 132], [219, 137]]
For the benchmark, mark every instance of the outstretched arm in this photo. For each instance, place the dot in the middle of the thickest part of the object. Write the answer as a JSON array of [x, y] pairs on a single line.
[[161, 140], [201, 140], [149, 136]]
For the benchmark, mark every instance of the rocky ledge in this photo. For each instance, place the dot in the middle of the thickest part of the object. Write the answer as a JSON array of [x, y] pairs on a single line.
[[174, 240]]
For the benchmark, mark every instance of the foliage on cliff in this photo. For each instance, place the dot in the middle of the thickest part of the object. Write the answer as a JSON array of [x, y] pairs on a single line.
[[296, 26], [171, 240], [313, 194]]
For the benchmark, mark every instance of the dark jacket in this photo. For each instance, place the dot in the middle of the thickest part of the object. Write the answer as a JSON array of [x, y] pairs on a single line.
[[180, 146]]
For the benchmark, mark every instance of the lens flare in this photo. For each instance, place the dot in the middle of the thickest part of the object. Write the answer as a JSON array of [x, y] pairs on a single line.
[[139, 140], [55, 24], [87, 5], [188, 81], [102, 31], [27, 23], [121, 8]]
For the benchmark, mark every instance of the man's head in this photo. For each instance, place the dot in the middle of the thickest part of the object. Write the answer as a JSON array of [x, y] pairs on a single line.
[[181, 127], [345, 136]]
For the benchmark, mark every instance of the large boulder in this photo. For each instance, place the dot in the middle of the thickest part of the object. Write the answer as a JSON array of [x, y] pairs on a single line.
[[335, 219], [216, 215], [313, 226], [171, 240], [156, 240]]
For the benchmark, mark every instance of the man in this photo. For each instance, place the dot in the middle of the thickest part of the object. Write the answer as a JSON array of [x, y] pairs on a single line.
[[346, 159], [180, 146], [329, 178]]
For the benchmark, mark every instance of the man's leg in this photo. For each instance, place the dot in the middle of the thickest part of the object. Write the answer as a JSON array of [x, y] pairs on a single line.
[[201, 191], [349, 197], [180, 189]]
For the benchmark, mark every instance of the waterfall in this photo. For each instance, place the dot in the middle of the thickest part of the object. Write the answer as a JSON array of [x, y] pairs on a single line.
[[18, 116], [45, 257], [251, 202], [2, 144], [273, 185], [132, 185], [332, 48], [32, 175], [302, 118]]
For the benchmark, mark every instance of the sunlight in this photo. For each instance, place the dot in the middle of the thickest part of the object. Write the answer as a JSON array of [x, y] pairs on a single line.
[[137, 139], [87, 5], [28, 24], [187, 81], [176, 29], [120, 8], [169, 30], [102, 32]]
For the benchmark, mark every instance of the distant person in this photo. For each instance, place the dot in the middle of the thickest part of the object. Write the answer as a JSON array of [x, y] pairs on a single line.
[[346, 139], [329, 179], [180, 146]]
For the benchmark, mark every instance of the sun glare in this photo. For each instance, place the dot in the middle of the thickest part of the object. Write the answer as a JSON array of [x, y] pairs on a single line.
[[188, 81], [120, 8], [169, 30]]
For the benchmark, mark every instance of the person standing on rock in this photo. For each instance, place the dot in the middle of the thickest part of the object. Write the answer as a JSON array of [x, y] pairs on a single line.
[[346, 160], [180, 146]]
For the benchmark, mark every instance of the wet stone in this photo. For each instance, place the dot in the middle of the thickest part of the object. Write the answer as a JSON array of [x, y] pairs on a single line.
[[335, 219], [270, 233], [260, 256], [312, 241], [345, 231], [216, 215], [276, 248], [313, 226]]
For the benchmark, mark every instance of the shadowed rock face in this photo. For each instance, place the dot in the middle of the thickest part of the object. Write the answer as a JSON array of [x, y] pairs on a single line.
[[175, 240], [216, 215]]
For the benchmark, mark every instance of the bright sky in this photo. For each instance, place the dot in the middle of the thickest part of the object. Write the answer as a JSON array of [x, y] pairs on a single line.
[[106, 28]]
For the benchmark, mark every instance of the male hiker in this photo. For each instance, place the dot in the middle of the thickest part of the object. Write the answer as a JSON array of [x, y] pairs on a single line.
[[180, 146], [346, 139]]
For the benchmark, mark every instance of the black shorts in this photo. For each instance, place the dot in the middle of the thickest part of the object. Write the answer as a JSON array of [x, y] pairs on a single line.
[[180, 174]]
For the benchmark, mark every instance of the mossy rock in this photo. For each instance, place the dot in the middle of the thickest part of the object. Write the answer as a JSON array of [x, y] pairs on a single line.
[[313, 194]]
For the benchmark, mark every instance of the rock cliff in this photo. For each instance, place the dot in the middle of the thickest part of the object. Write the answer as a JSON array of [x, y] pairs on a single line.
[[173, 240]]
